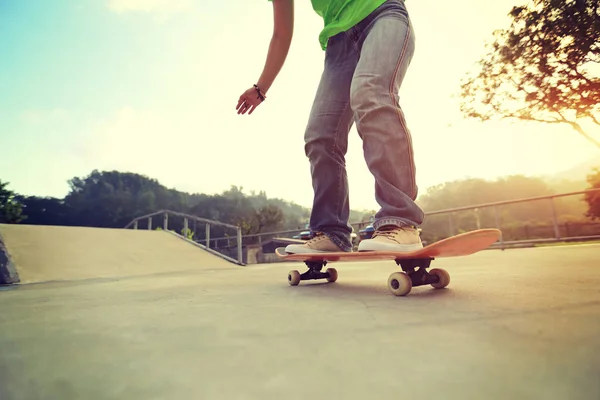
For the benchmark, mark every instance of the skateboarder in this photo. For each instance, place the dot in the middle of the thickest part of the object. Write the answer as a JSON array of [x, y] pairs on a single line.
[[368, 46]]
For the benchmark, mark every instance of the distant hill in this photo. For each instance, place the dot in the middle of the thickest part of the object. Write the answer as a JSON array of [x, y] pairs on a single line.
[[577, 173]]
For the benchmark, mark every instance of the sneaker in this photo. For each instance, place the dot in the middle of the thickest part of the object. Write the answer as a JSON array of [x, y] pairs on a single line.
[[319, 244], [393, 238]]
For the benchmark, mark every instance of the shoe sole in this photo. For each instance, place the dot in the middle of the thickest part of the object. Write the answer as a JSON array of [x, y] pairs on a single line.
[[406, 248], [304, 250]]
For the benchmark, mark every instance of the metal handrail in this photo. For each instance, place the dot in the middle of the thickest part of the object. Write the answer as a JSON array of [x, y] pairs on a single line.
[[178, 214], [271, 233], [448, 210], [504, 202], [240, 237], [483, 205], [186, 218]]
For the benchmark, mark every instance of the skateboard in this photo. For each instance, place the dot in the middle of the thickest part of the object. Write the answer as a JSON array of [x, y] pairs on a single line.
[[414, 264]]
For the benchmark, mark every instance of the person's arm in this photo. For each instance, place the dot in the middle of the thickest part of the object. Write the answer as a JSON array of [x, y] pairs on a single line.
[[283, 30]]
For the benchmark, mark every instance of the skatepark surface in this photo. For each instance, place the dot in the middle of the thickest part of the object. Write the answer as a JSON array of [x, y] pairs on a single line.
[[122, 314]]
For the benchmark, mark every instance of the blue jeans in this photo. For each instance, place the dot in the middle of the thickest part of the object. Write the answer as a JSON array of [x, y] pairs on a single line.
[[364, 68]]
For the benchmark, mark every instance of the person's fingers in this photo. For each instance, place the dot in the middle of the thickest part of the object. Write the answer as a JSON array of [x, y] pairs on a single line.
[[241, 101], [247, 105]]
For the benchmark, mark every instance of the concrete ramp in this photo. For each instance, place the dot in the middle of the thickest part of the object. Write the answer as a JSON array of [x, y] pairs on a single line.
[[31, 254]]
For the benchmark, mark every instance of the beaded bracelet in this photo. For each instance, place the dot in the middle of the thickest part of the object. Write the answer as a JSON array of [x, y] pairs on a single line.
[[261, 95]]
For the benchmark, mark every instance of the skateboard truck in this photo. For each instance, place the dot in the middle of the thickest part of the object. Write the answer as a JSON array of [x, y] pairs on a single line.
[[420, 276], [313, 273], [414, 273]]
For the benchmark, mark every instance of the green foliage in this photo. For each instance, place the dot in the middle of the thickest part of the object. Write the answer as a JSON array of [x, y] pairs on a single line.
[[189, 234], [470, 192], [113, 199], [541, 68], [593, 199], [10, 207], [478, 191], [269, 218]]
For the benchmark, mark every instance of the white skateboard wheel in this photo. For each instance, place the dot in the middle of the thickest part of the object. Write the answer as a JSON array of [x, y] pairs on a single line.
[[399, 284], [443, 275]]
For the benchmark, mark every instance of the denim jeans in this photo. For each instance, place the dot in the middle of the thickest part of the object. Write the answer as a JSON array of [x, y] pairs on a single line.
[[364, 68]]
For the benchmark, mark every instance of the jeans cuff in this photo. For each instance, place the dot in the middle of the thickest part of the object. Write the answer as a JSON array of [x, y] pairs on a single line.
[[393, 221], [345, 245]]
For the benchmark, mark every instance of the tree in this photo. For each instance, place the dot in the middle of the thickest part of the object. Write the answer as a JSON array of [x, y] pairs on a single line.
[[10, 208], [469, 192], [541, 68], [268, 218], [593, 199], [45, 210], [112, 198]]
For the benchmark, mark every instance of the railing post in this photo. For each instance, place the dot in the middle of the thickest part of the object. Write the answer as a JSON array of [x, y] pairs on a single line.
[[149, 223], [135, 224], [477, 218], [166, 222], [208, 236], [497, 218], [554, 219], [185, 227], [239, 245]]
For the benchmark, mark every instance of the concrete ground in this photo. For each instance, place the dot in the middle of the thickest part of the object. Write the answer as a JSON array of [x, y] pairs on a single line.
[[515, 324]]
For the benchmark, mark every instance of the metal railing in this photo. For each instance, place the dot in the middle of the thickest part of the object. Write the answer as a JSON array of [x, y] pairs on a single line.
[[186, 218], [476, 209], [452, 230], [502, 243]]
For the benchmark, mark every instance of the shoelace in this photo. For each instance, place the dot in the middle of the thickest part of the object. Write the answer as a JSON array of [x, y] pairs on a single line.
[[384, 233], [392, 232], [317, 238]]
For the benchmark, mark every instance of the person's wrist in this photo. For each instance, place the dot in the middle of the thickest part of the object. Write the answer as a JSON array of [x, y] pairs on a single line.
[[261, 94], [264, 85]]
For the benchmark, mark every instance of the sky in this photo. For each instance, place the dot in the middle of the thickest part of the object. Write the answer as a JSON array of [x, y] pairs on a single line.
[[150, 86]]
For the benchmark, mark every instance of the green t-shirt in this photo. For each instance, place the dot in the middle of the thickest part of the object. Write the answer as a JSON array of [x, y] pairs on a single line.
[[341, 15]]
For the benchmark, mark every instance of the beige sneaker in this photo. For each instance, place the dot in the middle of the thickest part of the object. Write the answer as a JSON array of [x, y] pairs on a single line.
[[319, 244], [393, 238]]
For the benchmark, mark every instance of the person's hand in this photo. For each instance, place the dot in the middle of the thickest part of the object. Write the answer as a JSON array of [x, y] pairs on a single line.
[[248, 101]]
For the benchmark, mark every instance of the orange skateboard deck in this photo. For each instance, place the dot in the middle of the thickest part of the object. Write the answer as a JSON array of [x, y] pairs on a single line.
[[414, 264]]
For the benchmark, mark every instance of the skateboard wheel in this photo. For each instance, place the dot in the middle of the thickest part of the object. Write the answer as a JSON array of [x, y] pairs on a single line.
[[399, 284], [294, 278], [443, 276], [332, 274]]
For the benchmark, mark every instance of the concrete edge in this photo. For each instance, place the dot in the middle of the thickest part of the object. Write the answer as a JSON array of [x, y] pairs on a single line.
[[8, 272]]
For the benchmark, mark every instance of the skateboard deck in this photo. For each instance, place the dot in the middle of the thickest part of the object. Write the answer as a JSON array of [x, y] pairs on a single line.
[[414, 264]]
